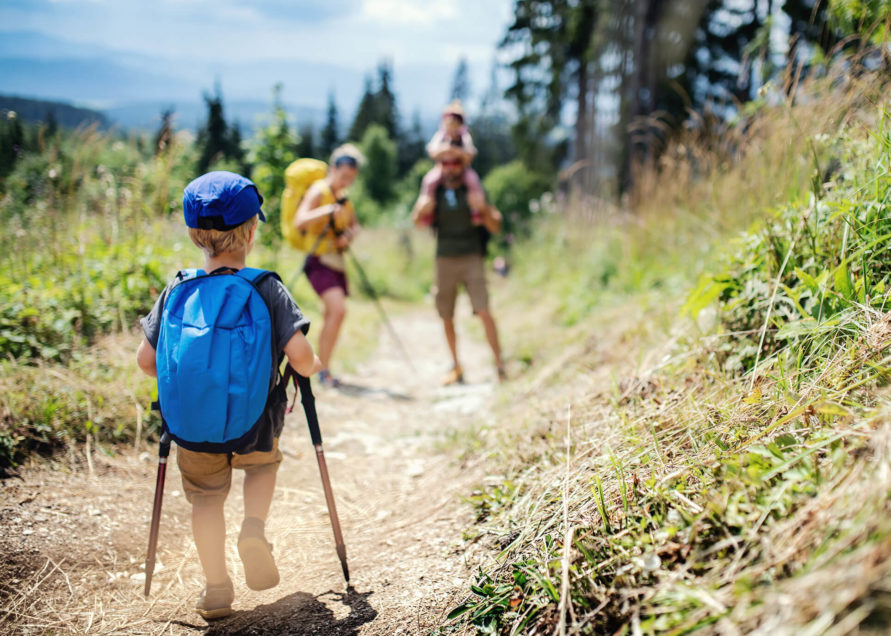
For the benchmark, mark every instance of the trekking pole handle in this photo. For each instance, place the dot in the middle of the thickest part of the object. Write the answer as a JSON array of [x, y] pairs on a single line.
[[164, 447], [309, 407]]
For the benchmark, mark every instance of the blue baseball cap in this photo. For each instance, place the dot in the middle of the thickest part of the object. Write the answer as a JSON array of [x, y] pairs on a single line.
[[221, 200]]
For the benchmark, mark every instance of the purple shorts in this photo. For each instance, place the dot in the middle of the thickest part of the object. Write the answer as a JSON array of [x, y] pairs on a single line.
[[322, 278]]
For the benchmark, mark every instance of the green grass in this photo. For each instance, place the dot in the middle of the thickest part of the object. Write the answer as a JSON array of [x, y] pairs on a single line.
[[94, 232], [725, 474]]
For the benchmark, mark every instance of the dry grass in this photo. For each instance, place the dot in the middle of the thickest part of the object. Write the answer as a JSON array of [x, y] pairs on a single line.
[[690, 499]]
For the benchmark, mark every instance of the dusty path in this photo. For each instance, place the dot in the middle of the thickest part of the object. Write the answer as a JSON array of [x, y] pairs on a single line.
[[73, 541]]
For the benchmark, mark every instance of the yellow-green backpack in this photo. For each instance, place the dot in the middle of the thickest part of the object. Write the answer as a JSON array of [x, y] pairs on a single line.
[[301, 174]]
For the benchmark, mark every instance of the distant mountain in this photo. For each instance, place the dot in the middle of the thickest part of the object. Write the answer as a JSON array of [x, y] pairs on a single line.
[[190, 114], [133, 89], [38, 110]]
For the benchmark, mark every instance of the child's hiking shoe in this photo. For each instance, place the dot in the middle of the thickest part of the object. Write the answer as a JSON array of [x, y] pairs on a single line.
[[328, 380], [216, 601], [455, 376], [255, 551]]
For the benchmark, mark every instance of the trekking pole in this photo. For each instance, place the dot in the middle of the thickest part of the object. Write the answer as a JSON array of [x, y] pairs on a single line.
[[368, 287], [312, 419], [163, 453]]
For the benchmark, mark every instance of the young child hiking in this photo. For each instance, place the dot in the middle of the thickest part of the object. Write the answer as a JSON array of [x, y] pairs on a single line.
[[221, 210], [326, 216], [453, 133]]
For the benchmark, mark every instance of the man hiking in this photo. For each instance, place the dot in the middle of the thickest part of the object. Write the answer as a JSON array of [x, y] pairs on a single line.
[[460, 252]]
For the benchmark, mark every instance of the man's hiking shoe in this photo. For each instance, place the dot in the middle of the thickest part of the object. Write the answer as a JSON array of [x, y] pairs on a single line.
[[455, 376], [255, 551], [328, 380], [216, 601]]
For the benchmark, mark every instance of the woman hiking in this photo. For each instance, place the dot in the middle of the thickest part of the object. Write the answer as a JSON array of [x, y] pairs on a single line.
[[326, 214]]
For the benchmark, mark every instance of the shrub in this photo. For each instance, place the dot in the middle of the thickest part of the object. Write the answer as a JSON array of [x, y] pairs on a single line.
[[511, 188]]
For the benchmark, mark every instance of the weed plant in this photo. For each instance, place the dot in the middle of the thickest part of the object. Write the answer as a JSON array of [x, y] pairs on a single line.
[[726, 476]]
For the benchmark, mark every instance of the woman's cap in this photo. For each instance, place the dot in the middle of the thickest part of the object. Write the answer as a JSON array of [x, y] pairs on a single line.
[[221, 200]]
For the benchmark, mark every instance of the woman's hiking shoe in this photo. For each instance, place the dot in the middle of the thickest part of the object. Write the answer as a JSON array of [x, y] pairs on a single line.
[[328, 380], [216, 601], [455, 376], [255, 551]]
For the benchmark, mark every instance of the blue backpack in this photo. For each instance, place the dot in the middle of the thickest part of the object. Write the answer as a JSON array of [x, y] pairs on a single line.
[[216, 359]]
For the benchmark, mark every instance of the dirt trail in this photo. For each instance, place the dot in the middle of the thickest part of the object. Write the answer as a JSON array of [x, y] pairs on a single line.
[[73, 541]]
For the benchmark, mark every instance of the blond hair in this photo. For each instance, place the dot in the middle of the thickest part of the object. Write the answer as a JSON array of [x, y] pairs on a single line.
[[215, 242], [347, 150]]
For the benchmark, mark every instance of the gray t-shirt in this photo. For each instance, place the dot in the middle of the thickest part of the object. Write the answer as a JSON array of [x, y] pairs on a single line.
[[287, 319]]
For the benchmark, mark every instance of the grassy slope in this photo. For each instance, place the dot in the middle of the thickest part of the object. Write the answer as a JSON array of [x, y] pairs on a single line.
[[657, 474]]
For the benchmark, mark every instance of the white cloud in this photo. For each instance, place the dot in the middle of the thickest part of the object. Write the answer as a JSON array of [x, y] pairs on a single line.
[[417, 12]]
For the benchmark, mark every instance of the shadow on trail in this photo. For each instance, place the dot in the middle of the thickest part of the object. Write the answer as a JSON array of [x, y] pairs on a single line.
[[357, 390], [299, 613]]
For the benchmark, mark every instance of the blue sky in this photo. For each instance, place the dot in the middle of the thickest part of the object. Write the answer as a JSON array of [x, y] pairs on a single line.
[[240, 42]]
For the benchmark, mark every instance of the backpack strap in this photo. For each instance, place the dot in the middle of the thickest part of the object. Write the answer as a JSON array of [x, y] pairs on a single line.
[[254, 275]]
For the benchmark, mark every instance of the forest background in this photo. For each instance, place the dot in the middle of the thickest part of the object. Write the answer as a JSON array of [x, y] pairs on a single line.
[[637, 138]]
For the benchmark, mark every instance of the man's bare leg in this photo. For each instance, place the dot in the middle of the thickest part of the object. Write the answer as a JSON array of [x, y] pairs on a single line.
[[492, 337], [452, 341]]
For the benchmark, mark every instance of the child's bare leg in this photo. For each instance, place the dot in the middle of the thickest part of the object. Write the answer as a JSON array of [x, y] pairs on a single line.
[[260, 572], [476, 200], [259, 487], [209, 531]]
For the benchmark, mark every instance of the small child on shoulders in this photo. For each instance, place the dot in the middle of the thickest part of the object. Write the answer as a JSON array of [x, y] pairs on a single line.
[[453, 133]]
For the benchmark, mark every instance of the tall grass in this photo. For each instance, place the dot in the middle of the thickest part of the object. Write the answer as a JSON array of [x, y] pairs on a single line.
[[80, 258], [665, 487], [93, 233]]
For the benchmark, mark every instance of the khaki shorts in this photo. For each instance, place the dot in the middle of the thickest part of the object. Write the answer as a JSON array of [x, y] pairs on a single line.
[[208, 475], [469, 269]]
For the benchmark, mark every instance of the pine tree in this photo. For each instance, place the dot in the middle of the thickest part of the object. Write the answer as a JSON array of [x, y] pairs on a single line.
[[273, 148], [461, 82], [12, 141], [164, 136], [379, 174], [365, 114], [411, 145], [377, 106], [306, 147], [553, 42], [329, 137], [386, 112], [218, 141]]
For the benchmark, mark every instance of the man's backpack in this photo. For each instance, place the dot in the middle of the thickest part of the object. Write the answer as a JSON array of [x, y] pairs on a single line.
[[216, 359], [301, 174]]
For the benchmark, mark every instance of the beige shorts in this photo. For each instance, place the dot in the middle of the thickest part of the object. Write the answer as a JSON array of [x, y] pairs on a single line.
[[469, 269], [208, 475]]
